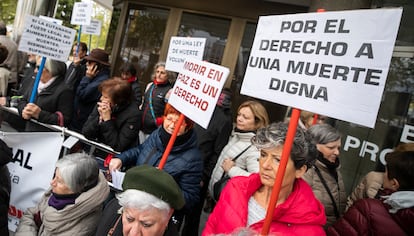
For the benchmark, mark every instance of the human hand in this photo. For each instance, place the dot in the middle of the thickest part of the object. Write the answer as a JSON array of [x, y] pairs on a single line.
[[92, 71], [31, 110], [115, 164], [105, 111], [227, 164], [3, 101]]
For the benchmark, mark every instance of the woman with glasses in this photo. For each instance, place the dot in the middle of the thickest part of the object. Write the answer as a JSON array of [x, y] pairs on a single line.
[[184, 162], [245, 199]]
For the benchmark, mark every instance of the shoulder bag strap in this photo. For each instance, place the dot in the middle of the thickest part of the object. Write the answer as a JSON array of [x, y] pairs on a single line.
[[235, 158], [327, 190], [112, 230]]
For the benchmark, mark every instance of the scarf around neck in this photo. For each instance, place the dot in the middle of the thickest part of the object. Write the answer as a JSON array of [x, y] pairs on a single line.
[[59, 201]]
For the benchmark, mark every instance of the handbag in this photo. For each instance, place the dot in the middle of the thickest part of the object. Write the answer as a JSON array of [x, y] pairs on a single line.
[[221, 183]]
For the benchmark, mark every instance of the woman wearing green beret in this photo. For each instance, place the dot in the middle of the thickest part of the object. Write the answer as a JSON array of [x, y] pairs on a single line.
[[145, 207]]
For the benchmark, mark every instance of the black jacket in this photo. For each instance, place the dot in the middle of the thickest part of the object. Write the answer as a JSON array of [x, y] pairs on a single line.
[[121, 132], [56, 97], [6, 156]]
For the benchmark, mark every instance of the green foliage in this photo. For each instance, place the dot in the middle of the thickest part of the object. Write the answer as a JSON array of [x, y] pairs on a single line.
[[8, 11], [64, 13]]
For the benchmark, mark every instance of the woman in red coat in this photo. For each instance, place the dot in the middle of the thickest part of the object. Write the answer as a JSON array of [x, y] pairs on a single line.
[[244, 200], [393, 214]]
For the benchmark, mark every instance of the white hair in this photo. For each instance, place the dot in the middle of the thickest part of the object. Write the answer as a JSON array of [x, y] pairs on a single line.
[[133, 198]]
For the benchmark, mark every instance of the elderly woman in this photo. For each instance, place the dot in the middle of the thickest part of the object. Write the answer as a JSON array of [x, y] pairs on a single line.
[[184, 162], [54, 98], [116, 118], [244, 201], [155, 98], [251, 115], [129, 73], [145, 207], [324, 177], [73, 204]]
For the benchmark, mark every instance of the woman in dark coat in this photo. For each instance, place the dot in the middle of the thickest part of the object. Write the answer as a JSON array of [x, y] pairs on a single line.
[[53, 102], [184, 162], [116, 118], [5, 157]]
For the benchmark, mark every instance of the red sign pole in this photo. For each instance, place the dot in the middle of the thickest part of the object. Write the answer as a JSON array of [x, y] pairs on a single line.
[[293, 124], [171, 142]]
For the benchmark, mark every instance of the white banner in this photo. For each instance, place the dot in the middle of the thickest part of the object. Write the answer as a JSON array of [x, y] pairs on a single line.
[[47, 39], [331, 63], [197, 89], [32, 169], [94, 28], [181, 49], [82, 13]]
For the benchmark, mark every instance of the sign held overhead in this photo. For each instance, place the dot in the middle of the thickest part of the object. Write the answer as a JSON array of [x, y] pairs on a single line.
[[330, 63], [197, 89]]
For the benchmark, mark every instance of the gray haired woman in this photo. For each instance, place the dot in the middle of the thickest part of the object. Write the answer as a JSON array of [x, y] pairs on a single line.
[[73, 204], [145, 207], [53, 101], [324, 177]]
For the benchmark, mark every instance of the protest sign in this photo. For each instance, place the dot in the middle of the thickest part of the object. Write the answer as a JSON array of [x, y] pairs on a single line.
[[32, 169], [81, 13], [46, 39], [197, 89], [181, 49], [331, 63], [93, 28]]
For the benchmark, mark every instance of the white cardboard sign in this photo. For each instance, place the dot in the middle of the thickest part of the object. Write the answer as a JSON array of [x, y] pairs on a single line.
[[197, 89], [331, 63], [93, 28], [47, 39], [32, 169], [181, 49], [81, 13]]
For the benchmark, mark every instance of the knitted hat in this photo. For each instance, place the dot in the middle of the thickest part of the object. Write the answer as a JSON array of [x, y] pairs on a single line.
[[98, 55], [155, 182]]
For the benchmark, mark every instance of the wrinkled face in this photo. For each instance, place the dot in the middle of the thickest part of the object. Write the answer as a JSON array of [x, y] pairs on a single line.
[[330, 150], [161, 74], [151, 222], [170, 122], [245, 119], [269, 162], [58, 185]]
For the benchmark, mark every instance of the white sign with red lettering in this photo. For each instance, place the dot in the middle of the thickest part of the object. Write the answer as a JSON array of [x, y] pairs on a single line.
[[197, 89], [32, 169], [331, 63]]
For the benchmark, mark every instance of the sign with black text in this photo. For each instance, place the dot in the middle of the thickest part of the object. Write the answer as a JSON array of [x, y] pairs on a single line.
[[81, 13], [47, 39], [331, 63], [31, 170], [181, 49], [93, 28]]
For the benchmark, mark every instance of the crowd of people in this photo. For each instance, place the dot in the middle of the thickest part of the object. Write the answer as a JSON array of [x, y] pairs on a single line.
[[84, 96]]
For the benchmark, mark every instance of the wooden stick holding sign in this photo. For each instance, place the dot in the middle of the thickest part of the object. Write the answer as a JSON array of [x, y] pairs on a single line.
[[171, 142], [293, 124]]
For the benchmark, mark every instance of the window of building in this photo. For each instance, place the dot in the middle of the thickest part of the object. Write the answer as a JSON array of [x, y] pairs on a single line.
[[214, 29], [142, 39]]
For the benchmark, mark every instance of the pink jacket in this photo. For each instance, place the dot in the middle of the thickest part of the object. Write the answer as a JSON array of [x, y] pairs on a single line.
[[300, 214]]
